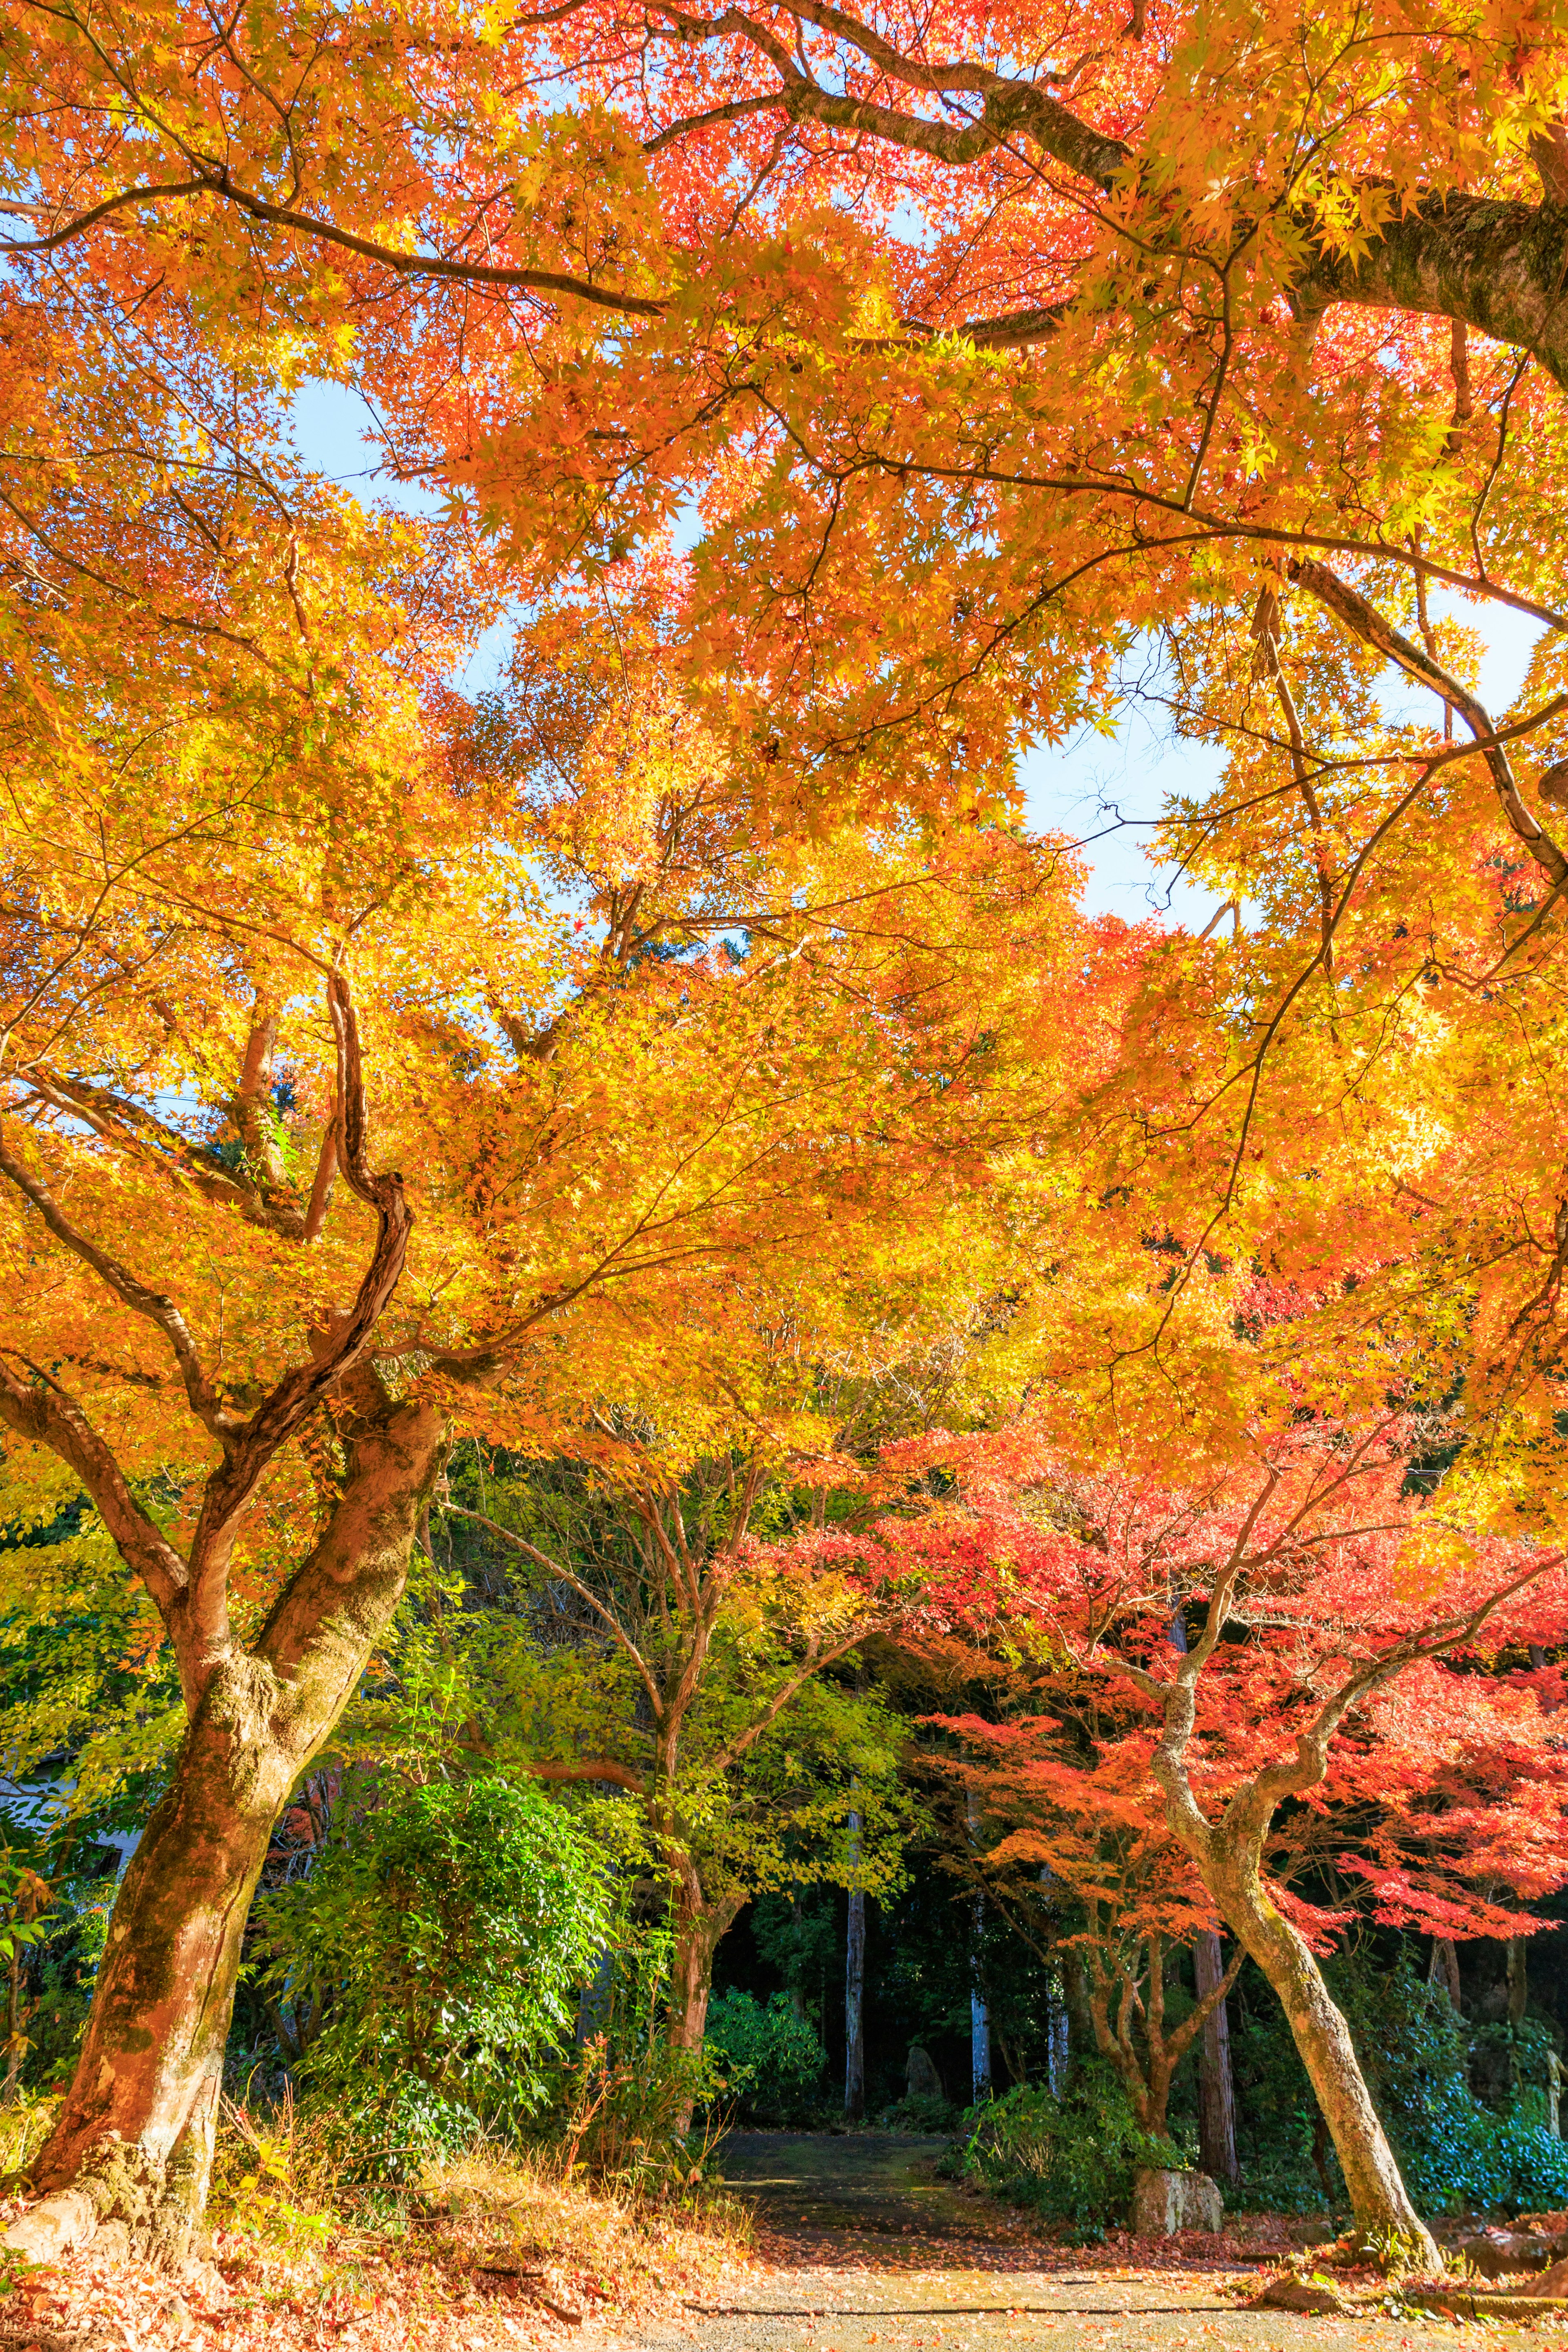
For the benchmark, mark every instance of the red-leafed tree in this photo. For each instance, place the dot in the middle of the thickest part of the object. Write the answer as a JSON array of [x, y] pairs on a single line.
[[1066, 1837], [1327, 1709]]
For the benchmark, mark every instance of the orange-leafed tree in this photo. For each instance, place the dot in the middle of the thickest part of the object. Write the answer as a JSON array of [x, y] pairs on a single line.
[[984, 349], [322, 1127]]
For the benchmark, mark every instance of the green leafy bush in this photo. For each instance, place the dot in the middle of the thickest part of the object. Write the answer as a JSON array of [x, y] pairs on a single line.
[[1457, 2151], [445, 1934], [762, 2053], [1454, 2150], [1069, 2154]]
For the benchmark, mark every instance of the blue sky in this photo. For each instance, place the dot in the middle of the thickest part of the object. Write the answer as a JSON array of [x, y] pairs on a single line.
[[1108, 792], [1103, 791]]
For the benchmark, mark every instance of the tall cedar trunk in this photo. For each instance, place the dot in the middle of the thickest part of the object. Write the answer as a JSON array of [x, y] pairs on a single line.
[[130, 2151], [797, 1957], [979, 2014], [1080, 2023], [855, 1991], [1217, 2088], [1379, 2200]]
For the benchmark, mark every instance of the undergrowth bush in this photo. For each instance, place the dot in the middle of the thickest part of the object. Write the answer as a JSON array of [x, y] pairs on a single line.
[[1454, 2150], [25, 2125], [768, 2057], [1070, 2156], [1457, 2151], [446, 1936]]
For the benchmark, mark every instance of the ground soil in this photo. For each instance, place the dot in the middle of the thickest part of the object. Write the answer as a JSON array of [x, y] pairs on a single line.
[[859, 2244]]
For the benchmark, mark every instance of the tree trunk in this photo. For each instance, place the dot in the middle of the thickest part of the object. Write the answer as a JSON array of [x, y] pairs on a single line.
[[855, 1992], [1444, 1969], [136, 2129], [979, 2014], [697, 1938], [1217, 2089], [1056, 2041], [797, 1957], [1080, 2022], [1516, 1961], [699, 1928], [1379, 2200], [130, 2151]]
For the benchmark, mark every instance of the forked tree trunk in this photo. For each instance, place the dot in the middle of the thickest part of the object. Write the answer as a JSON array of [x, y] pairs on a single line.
[[130, 2151]]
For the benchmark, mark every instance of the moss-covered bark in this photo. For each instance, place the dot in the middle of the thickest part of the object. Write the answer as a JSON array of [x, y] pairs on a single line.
[[133, 2145]]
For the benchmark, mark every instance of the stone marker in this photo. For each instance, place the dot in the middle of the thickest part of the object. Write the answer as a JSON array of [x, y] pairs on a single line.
[[1498, 2253], [1289, 2291], [925, 2082], [1165, 2202]]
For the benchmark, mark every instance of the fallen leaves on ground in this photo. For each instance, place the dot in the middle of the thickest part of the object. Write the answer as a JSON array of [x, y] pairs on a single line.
[[511, 2258]]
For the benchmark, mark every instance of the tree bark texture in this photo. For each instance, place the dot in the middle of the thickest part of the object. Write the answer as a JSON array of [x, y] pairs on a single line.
[[1379, 2198], [134, 2138], [1217, 2089], [699, 1928], [1082, 2039], [1444, 1969]]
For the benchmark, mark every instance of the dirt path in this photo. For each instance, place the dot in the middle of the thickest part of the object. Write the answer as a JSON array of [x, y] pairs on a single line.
[[860, 2245]]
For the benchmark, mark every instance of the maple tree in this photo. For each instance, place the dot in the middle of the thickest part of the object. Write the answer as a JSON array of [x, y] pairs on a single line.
[[1060, 321], [1066, 1844], [1309, 1719], [988, 348], [272, 921], [694, 1686]]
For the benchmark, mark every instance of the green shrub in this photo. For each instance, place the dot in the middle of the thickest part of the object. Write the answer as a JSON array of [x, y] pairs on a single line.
[[1454, 2150], [764, 2055], [445, 1934], [1069, 2154]]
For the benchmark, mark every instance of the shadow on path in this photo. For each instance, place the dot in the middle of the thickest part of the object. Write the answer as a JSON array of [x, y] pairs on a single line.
[[861, 2248]]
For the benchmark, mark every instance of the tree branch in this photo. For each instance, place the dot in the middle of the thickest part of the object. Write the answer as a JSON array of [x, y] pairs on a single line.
[[40, 1410], [1366, 622], [249, 1448], [156, 1305], [598, 1767], [584, 1592]]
